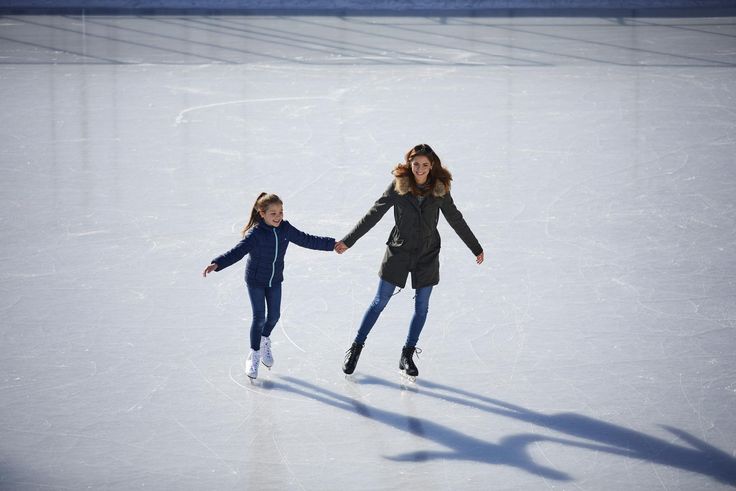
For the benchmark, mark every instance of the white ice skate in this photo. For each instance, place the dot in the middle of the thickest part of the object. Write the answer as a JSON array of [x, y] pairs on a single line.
[[266, 354], [251, 364]]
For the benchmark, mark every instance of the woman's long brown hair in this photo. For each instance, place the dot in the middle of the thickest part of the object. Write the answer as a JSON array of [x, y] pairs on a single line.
[[438, 173]]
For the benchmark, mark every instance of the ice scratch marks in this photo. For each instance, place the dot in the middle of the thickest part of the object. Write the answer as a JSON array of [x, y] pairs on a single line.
[[285, 460], [698, 414], [11, 302], [286, 334], [209, 382], [237, 376], [658, 476], [139, 404], [220, 459], [181, 118]]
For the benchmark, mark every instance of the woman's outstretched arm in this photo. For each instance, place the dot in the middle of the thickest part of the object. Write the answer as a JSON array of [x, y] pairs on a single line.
[[369, 220]]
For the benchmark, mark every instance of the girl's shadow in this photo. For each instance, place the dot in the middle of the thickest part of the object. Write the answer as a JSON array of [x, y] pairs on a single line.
[[589, 433]]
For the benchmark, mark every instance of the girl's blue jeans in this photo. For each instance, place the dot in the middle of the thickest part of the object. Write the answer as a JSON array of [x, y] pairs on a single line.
[[266, 304], [385, 291]]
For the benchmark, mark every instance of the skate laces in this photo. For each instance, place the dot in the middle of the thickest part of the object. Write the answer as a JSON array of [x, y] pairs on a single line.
[[266, 347], [349, 353], [417, 351]]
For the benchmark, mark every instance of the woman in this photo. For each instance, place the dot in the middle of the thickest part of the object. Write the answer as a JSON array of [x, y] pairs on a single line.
[[419, 191]]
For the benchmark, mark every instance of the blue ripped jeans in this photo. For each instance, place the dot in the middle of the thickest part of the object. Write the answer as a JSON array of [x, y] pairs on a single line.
[[262, 298], [385, 291]]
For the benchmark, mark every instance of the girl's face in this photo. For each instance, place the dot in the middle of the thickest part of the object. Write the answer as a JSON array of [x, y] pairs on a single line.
[[420, 167], [273, 215]]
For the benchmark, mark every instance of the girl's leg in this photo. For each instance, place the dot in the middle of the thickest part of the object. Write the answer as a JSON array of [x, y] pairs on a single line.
[[258, 304], [421, 308], [273, 301], [385, 290]]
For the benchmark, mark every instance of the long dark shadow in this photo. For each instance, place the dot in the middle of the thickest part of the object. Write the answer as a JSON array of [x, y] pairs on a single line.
[[182, 40], [702, 61], [54, 49], [121, 41], [497, 44], [407, 39], [301, 39], [645, 23], [699, 457], [510, 451], [246, 35], [716, 8]]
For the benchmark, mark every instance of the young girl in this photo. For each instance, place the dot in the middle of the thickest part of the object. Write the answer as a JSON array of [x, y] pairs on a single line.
[[265, 239], [419, 192]]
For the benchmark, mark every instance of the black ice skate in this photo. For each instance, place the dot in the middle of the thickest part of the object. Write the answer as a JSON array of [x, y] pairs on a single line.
[[351, 358], [406, 364]]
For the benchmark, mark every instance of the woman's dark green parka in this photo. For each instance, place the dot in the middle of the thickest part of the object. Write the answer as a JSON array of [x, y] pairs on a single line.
[[414, 243]]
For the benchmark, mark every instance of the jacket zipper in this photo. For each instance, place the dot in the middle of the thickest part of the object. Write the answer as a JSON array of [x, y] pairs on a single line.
[[275, 256]]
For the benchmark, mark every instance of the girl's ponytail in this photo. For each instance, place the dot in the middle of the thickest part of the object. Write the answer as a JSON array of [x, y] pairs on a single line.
[[263, 201]]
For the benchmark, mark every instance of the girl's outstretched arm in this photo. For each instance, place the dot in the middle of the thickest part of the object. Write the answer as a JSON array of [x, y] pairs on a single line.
[[308, 241], [233, 255], [212, 267]]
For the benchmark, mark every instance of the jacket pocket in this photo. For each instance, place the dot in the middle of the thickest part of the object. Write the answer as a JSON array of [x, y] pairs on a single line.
[[394, 239]]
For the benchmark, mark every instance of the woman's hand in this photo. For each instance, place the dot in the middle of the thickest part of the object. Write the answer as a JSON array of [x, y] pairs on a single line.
[[340, 247], [212, 267], [479, 258]]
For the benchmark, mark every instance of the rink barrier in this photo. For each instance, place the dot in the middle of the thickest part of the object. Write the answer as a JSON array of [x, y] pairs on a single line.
[[376, 7]]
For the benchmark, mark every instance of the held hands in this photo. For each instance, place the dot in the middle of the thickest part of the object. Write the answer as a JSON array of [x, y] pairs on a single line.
[[340, 247], [212, 267]]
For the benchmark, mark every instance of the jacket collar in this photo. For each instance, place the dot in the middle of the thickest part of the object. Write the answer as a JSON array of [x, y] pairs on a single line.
[[265, 226], [403, 185]]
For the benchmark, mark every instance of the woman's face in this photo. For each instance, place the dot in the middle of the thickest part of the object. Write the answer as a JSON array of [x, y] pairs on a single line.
[[273, 215], [420, 167]]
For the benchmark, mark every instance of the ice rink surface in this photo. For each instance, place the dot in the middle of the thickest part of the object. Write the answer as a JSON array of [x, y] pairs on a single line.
[[593, 156]]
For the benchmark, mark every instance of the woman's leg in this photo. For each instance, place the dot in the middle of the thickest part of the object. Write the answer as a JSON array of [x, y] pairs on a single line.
[[421, 308], [385, 290], [258, 304]]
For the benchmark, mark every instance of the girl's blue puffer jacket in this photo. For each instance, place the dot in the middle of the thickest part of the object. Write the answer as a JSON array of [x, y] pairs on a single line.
[[266, 247]]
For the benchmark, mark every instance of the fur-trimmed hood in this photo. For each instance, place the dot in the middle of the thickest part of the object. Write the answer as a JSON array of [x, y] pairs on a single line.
[[404, 182]]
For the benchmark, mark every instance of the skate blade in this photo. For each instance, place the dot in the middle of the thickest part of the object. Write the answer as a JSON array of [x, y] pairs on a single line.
[[407, 377]]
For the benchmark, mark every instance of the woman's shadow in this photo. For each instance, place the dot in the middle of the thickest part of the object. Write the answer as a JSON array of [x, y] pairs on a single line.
[[589, 433]]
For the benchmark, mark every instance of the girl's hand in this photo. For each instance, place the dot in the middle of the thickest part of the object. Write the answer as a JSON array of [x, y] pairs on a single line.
[[340, 247], [479, 258], [212, 267]]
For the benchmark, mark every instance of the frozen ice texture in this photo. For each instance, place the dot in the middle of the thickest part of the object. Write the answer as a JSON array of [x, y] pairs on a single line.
[[593, 156]]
